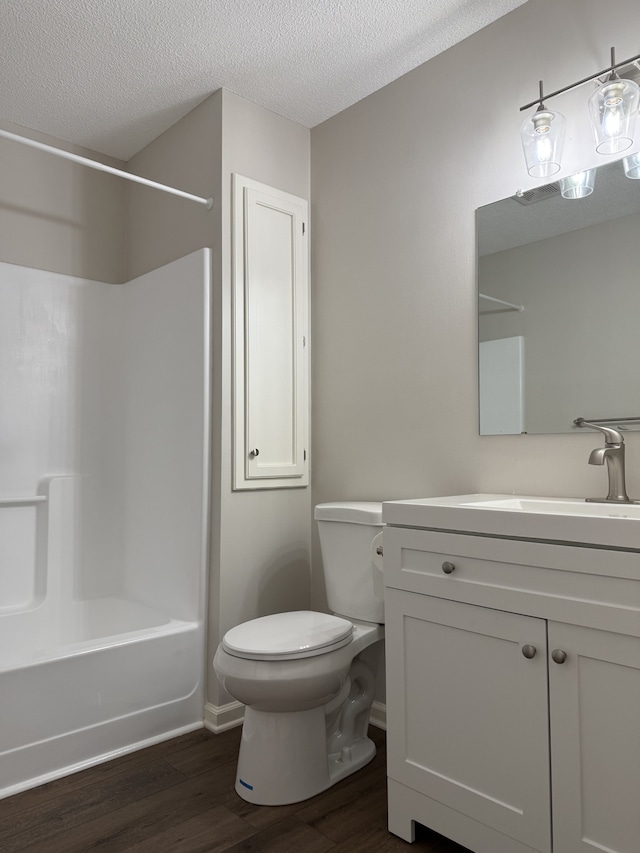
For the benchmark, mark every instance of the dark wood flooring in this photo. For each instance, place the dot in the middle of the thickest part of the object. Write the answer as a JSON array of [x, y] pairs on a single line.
[[178, 797]]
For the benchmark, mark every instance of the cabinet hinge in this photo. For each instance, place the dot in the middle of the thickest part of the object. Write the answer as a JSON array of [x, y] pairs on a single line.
[[305, 456], [304, 340], [304, 227]]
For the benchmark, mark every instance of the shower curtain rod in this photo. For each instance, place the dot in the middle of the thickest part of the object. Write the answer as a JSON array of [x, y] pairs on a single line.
[[101, 167]]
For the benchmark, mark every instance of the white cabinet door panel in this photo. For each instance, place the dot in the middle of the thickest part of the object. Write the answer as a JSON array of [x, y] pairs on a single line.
[[468, 713], [270, 337], [595, 740]]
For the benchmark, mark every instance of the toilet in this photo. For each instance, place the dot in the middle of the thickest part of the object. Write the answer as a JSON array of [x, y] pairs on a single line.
[[307, 679]]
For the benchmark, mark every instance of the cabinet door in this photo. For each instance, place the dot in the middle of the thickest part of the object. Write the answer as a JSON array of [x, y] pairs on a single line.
[[468, 712], [595, 740], [270, 293]]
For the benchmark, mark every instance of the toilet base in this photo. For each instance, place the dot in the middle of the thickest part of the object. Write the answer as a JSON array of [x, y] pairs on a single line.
[[283, 757]]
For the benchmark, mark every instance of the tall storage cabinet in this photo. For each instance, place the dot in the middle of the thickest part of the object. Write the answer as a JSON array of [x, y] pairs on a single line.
[[513, 700], [270, 343]]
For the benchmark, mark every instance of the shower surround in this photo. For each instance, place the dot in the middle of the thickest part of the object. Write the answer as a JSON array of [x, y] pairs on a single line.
[[104, 460]]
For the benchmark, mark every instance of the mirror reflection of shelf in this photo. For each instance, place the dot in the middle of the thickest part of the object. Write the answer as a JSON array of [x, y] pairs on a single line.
[[509, 306]]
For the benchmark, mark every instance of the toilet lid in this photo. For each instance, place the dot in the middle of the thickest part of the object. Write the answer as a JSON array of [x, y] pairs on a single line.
[[287, 636]]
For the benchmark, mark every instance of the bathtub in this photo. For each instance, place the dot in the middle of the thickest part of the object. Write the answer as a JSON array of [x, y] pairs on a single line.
[[82, 681], [118, 676]]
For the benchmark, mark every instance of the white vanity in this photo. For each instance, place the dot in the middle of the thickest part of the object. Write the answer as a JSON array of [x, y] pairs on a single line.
[[513, 672]]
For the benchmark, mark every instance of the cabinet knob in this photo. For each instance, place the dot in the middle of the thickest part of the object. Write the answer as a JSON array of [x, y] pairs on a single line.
[[447, 567], [529, 651], [558, 656], [255, 452]]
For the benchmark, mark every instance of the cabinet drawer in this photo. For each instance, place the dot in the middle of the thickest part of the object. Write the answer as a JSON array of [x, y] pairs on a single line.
[[586, 586]]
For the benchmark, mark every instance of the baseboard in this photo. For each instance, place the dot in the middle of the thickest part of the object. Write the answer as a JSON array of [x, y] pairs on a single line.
[[219, 718], [378, 716]]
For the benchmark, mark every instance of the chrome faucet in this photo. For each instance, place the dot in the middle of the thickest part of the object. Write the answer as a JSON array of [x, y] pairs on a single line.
[[613, 454]]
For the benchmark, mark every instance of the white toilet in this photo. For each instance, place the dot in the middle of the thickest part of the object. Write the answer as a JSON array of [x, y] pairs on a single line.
[[308, 679]]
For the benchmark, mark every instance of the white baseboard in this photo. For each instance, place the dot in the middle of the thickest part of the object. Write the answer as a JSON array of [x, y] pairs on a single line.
[[378, 716], [219, 718]]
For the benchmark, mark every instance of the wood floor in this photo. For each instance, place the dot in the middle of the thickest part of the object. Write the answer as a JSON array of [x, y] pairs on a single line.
[[178, 797]]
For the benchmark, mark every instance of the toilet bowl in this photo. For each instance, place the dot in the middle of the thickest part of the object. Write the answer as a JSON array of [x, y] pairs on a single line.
[[307, 679]]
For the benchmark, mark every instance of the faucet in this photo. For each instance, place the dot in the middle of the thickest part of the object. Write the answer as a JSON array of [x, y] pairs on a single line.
[[613, 454]]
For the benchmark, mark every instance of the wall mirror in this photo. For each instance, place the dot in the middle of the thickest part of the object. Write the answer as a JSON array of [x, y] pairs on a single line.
[[559, 307]]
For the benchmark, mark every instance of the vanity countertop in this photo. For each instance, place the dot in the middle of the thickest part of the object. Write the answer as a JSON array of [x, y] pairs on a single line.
[[605, 525]]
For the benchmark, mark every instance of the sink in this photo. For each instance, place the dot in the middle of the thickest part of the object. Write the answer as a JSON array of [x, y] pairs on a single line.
[[557, 506], [551, 519]]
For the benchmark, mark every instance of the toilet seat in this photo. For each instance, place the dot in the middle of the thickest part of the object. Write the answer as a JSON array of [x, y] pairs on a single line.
[[288, 636]]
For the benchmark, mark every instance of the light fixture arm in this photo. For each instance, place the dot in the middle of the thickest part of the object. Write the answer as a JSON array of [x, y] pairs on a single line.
[[612, 69]]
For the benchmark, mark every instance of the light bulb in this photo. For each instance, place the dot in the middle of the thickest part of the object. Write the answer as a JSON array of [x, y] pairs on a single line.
[[542, 137], [614, 109], [544, 149]]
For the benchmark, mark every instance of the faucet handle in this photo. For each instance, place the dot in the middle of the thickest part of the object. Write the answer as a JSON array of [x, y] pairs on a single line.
[[611, 436]]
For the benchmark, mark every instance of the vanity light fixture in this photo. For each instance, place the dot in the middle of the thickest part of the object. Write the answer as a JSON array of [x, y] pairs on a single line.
[[614, 111], [579, 185], [542, 139]]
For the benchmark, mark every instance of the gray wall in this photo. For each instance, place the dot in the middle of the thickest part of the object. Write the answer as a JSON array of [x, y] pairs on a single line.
[[263, 558], [162, 227], [260, 561], [59, 216], [395, 182]]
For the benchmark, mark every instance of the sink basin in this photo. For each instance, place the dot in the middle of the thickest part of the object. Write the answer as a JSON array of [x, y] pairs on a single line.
[[551, 519], [557, 506]]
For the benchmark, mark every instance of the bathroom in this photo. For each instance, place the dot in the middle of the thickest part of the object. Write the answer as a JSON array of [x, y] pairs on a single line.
[[393, 182]]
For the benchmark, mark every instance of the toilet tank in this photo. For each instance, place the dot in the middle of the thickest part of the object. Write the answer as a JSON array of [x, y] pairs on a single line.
[[354, 582]]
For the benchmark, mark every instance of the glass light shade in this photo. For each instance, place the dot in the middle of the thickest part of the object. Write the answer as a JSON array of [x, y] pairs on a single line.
[[632, 165], [579, 185], [542, 137], [614, 110]]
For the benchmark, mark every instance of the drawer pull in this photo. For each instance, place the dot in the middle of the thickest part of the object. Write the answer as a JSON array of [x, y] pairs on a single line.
[[529, 651], [447, 567], [558, 656]]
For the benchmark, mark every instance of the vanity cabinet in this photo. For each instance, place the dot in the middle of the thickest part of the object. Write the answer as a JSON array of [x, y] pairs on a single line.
[[513, 692]]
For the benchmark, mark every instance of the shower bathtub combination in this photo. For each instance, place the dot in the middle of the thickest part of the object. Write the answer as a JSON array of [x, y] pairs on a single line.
[[104, 460]]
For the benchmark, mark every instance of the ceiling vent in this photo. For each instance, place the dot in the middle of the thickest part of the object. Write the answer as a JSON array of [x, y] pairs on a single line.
[[538, 194]]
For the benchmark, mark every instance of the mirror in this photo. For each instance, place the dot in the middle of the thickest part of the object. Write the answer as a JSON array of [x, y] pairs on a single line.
[[559, 307]]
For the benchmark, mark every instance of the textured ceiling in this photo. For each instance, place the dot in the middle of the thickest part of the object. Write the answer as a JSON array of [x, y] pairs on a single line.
[[114, 74]]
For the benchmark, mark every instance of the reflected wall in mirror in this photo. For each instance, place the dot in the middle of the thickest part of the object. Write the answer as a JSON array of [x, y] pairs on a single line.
[[572, 267]]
